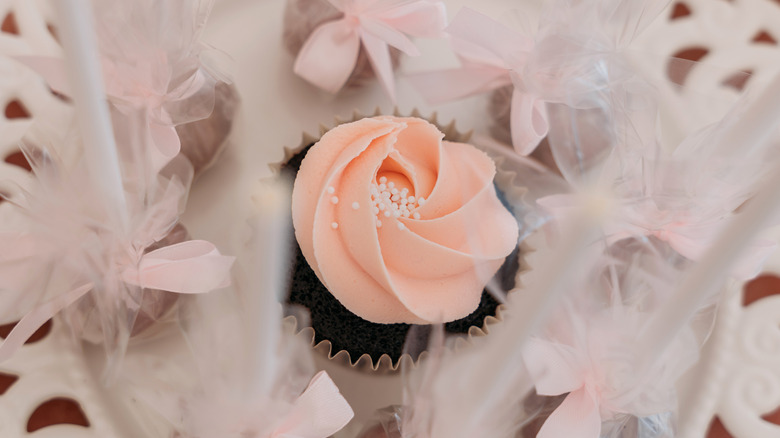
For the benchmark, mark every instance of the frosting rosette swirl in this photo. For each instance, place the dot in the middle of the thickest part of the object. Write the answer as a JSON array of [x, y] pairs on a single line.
[[399, 225]]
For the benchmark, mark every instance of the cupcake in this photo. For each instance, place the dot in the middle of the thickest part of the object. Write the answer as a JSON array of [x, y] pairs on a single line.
[[394, 227]]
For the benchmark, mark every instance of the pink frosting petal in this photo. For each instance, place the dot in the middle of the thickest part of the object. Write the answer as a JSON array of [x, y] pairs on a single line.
[[316, 169], [467, 178]]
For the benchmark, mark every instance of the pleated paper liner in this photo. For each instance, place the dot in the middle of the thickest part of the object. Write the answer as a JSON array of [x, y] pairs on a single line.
[[385, 365]]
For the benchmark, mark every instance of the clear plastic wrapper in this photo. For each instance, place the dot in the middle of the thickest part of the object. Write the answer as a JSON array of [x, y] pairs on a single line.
[[568, 56], [203, 140], [587, 352], [682, 194], [73, 257], [153, 63]]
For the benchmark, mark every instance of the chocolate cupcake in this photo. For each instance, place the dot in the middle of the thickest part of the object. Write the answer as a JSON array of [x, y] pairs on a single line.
[[397, 210]]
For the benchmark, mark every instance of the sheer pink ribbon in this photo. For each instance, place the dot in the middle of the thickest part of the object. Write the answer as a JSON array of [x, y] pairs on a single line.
[[691, 237], [492, 56], [191, 267], [557, 369], [319, 412], [328, 56], [130, 90]]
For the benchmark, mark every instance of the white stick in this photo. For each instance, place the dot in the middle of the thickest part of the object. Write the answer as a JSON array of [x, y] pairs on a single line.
[[76, 29], [267, 274]]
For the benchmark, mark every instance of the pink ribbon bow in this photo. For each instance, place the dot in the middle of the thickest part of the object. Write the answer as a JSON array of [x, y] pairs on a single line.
[[144, 86], [558, 369], [319, 412], [492, 56], [191, 267], [689, 231], [601, 379], [328, 56]]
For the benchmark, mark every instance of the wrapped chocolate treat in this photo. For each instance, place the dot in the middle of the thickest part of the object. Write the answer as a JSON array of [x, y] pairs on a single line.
[[516, 66], [110, 270], [202, 141], [161, 67], [343, 43], [156, 305]]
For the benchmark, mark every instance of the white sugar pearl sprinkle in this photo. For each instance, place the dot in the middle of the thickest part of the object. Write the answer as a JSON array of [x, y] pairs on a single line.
[[401, 226], [355, 205], [387, 213], [390, 185], [382, 179], [378, 223], [331, 190], [334, 225], [334, 200], [416, 215]]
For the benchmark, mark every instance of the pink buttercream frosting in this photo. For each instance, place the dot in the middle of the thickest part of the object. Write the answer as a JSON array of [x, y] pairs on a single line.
[[399, 225]]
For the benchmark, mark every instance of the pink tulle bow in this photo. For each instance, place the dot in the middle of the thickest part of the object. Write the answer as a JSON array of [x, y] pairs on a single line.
[[328, 56], [140, 87], [689, 231], [593, 367], [191, 267], [68, 248], [319, 412], [558, 369], [492, 56]]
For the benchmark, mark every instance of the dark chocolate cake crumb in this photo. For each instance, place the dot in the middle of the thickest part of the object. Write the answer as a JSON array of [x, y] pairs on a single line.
[[346, 331]]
